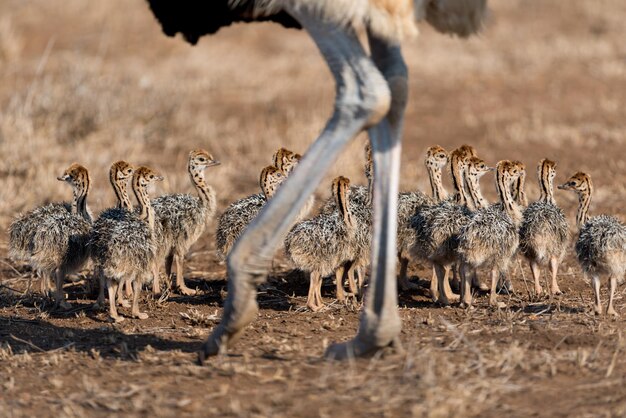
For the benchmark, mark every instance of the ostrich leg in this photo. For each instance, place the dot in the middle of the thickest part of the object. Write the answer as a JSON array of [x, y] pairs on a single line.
[[362, 100], [380, 322]]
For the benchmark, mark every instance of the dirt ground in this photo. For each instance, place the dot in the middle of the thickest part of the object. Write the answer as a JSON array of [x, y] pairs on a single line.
[[97, 81]]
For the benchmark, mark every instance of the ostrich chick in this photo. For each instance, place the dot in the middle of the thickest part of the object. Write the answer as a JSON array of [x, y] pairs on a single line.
[[119, 175], [239, 214], [360, 202], [437, 226], [184, 218], [322, 245], [409, 203], [124, 249], [491, 237], [544, 233], [286, 161], [53, 238], [601, 244]]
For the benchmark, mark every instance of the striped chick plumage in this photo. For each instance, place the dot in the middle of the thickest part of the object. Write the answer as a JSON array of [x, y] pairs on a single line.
[[543, 233], [362, 213], [235, 219], [601, 246], [490, 238], [50, 236]]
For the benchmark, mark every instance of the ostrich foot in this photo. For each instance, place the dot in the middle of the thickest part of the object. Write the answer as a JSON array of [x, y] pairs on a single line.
[[140, 315], [351, 301], [556, 291], [359, 348], [496, 304], [597, 309], [124, 303], [116, 319], [314, 307], [449, 299], [229, 330], [184, 290], [481, 287]]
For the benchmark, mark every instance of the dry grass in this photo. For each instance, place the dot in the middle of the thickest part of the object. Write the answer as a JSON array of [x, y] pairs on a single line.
[[97, 81]]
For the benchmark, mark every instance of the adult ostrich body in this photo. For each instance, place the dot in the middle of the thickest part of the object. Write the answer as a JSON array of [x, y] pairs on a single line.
[[371, 94]]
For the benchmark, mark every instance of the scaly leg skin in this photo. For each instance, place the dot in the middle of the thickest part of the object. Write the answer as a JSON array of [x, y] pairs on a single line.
[[101, 285], [341, 295], [380, 323], [121, 301], [554, 268], [466, 287], [611, 310], [156, 280], [180, 279], [446, 296], [44, 284], [534, 268], [595, 283], [60, 301], [136, 291], [128, 290], [403, 279], [493, 294], [448, 289], [112, 288], [360, 276], [353, 295], [455, 281], [169, 260], [312, 300], [352, 285], [434, 286], [318, 293], [362, 100]]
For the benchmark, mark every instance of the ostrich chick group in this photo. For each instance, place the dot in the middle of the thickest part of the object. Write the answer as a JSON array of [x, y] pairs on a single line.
[[458, 234]]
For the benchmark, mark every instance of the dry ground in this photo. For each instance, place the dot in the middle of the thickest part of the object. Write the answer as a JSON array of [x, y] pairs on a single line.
[[97, 81]]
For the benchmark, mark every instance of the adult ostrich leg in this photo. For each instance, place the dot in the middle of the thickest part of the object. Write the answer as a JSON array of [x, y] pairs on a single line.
[[363, 100], [380, 323]]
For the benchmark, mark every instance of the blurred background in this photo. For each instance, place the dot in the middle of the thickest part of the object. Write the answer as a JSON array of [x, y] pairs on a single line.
[[95, 82]]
